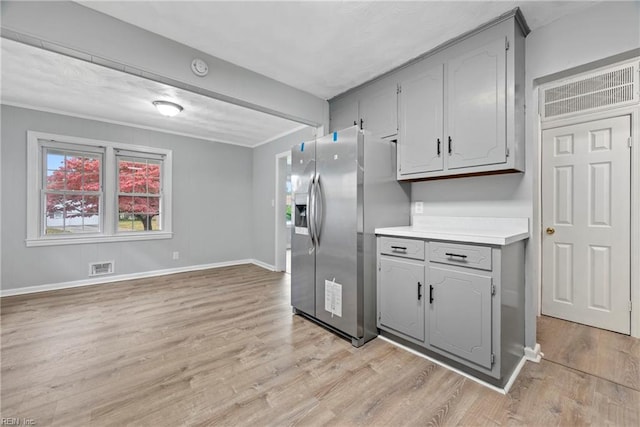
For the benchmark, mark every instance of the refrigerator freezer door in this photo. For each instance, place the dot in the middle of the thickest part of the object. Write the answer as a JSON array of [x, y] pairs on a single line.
[[302, 247], [339, 179]]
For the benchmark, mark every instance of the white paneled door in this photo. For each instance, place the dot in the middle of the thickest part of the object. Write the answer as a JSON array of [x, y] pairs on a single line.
[[586, 212]]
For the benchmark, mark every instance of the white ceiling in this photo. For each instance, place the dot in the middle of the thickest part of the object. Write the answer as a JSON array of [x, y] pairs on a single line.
[[36, 78], [322, 47]]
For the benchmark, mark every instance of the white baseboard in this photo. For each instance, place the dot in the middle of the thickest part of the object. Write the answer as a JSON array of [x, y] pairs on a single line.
[[515, 374], [122, 277], [504, 390], [263, 265], [533, 354]]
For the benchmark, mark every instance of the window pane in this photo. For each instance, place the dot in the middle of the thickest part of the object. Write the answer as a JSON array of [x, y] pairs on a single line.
[[154, 184], [153, 177], [72, 172], [126, 222], [55, 159], [54, 205], [91, 182], [125, 176], [138, 213], [71, 214], [54, 225], [92, 205], [140, 183], [54, 214], [125, 204], [154, 205], [90, 223], [74, 214]]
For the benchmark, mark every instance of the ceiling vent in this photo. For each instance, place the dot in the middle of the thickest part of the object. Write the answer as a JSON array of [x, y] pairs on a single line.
[[612, 87], [101, 268]]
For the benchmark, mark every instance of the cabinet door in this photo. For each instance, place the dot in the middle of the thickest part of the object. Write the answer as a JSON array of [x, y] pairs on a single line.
[[380, 111], [460, 314], [401, 296], [420, 124], [476, 112]]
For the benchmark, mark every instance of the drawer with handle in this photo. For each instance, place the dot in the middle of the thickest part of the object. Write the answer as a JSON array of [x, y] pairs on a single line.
[[460, 254], [407, 248]]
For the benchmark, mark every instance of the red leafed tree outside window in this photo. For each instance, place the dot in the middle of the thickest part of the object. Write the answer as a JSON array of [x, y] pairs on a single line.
[[138, 193], [73, 193]]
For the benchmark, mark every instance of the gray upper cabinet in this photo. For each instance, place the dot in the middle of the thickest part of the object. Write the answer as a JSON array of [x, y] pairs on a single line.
[[420, 109], [456, 110], [460, 314], [379, 111], [461, 108], [476, 113], [401, 296]]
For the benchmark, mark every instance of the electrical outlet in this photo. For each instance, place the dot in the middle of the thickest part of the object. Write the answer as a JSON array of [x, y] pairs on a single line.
[[176, 256], [418, 207]]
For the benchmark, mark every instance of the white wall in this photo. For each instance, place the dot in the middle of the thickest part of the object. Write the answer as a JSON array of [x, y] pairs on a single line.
[[264, 181], [212, 200]]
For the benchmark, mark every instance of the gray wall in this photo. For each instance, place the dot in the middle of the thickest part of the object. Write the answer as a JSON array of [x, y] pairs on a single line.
[[212, 189], [264, 181], [595, 33]]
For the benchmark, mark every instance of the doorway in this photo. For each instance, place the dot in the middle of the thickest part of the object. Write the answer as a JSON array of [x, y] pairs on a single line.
[[586, 223], [283, 193]]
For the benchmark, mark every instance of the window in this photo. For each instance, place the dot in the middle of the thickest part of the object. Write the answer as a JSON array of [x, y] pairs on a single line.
[[139, 193], [83, 191], [72, 191]]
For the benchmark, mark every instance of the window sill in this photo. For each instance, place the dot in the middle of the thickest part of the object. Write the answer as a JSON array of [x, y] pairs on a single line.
[[52, 241]]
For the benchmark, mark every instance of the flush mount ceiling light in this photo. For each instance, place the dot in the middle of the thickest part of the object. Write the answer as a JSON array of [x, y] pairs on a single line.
[[167, 108]]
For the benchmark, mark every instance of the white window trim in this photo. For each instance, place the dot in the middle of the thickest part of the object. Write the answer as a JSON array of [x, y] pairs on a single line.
[[109, 232]]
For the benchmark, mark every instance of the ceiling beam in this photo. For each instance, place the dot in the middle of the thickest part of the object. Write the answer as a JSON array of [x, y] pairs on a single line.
[[74, 30]]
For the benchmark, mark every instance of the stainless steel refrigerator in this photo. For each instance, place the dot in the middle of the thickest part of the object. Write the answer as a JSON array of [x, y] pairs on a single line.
[[344, 186]]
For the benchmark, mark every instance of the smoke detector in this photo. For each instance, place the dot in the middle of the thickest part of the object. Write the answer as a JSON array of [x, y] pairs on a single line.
[[199, 67]]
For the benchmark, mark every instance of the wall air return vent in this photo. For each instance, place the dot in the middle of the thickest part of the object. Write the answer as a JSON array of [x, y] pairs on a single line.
[[611, 87], [101, 268]]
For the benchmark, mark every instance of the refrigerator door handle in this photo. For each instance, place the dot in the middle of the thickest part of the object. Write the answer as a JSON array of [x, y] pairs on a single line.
[[310, 219], [317, 205]]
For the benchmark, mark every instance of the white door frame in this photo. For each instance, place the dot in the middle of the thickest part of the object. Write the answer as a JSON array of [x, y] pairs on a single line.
[[280, 244], [634, 112]]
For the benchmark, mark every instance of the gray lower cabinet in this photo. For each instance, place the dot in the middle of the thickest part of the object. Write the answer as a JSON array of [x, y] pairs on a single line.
[[460, 314], [401, 296], [461, 303]]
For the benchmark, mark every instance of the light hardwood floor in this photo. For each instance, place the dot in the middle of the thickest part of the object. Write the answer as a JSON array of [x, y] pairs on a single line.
[[221, 347], [606, 354]]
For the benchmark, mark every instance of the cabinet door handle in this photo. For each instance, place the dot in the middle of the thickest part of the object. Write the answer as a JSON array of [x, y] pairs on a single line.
[[439, 147], [456, 255], [430, 294], [419, 291], [449, 145], [399, 248]]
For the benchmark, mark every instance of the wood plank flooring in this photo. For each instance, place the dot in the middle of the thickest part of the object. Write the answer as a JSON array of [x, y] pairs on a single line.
[[605, 354], [221, 347]]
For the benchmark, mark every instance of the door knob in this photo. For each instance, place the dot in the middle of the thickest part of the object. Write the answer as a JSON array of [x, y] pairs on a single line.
[[550, 230]]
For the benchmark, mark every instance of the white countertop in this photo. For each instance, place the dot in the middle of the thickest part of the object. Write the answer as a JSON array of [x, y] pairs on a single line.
[[491, 231]]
